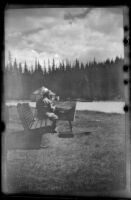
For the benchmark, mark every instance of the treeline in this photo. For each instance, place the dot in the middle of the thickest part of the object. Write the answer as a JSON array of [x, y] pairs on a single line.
[[90, 81]]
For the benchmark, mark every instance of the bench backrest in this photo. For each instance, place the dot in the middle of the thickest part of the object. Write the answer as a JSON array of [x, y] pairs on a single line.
[[69, 114], [6, 114], [25, 114]]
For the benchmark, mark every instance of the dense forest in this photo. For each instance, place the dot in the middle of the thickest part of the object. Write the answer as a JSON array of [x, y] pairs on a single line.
[[90, 81]]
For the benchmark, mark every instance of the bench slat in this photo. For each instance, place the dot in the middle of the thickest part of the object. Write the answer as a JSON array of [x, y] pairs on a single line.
[[34, 125], [38, 124], [25, 115], [43, 123]]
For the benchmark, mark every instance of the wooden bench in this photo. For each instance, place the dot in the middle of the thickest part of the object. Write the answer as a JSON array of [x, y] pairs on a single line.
[[29, 123], [27, 118]]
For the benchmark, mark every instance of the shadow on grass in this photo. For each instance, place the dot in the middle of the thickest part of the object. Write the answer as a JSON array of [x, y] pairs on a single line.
[[70, 135], [25, 140], [87, 133], [66, 135]]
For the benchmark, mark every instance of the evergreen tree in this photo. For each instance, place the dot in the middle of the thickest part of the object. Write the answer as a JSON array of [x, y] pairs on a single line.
[[92, 80]]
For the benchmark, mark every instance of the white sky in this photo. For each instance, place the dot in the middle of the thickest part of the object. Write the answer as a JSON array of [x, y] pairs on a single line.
[[60, 33]]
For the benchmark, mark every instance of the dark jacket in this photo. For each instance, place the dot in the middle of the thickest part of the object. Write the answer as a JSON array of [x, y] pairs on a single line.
[[43, 106]]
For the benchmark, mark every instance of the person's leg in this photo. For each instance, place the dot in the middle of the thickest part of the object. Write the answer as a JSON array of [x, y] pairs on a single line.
[[53, 117], [57, 111], [53, 125]]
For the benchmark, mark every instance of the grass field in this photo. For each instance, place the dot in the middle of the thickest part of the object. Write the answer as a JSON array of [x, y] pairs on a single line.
[[92, 160]]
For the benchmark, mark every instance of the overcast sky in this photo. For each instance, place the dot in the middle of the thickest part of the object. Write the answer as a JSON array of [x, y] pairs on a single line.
[[60, 33]]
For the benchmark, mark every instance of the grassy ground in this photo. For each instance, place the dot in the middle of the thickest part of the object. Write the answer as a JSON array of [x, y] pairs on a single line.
[[92, 160]]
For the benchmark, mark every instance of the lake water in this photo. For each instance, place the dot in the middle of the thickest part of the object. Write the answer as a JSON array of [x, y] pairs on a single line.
[[101, 106], [108, 107]]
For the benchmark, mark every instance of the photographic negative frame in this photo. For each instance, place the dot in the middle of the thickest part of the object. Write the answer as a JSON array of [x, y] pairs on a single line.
[[52, 140]]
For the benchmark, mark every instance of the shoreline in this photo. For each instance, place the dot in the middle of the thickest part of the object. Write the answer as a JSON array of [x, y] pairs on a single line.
[[99, 106]]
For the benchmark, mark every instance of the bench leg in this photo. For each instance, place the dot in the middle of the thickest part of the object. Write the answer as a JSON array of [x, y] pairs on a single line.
[[70, 125]]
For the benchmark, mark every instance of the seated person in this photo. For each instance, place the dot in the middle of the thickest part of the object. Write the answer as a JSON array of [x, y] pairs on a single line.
[[45, 108]]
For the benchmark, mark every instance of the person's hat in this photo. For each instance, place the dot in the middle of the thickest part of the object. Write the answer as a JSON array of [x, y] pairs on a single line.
[[44, 90]]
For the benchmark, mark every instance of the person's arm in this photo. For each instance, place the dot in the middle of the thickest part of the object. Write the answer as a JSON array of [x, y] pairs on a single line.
[[52, 107]]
